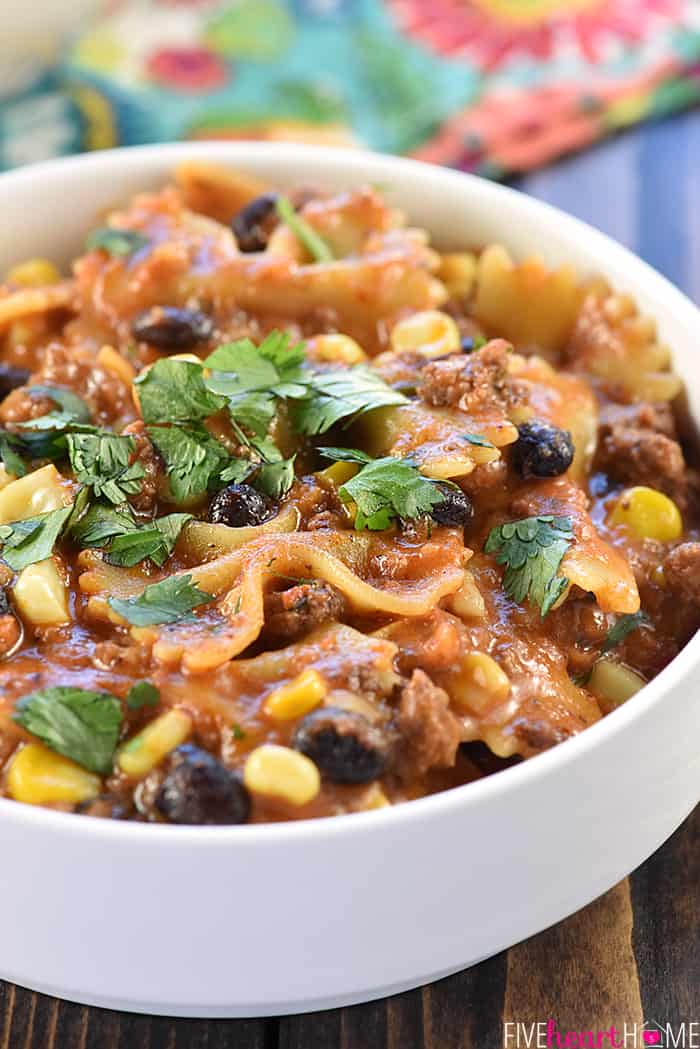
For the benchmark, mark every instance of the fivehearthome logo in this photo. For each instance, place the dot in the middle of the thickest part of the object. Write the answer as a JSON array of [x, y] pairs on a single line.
[[652, 1034]]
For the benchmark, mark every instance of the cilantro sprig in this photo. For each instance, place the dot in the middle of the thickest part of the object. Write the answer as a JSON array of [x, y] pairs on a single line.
[[385, 490], [105, 462], [169, 601], [341, 396], [532, 550], [80, 724]]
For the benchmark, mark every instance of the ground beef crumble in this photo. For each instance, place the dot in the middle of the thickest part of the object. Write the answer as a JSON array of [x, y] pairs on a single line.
[[682, 571], [289, 614], [636, 446], [475, 382], [429, 732]]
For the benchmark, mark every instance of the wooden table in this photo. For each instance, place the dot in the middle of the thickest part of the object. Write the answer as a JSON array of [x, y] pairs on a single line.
[[634, 954]]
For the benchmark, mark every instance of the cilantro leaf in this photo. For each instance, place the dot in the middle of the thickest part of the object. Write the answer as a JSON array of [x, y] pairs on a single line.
[[104, 461], [623, 626], [116, 242], [143, 694], [333, 396], [254, 378], [26, 542], [345, 455], [168, 601], [477, 440], [237, 470], [386, 489], [78, 723], [155, 541], [275, 478], [10, 447], [532, 550], [100, 523], [309, 238], [174, 392], [69, 402], [193, 459]]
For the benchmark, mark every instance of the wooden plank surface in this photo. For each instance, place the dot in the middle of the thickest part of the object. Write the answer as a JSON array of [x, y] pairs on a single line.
[[634, 954]]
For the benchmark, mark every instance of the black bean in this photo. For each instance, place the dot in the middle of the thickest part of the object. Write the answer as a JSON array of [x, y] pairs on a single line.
[[251, 226], [343, 744], [240, 505], [198, 789], [455, 509], [172, 328], [466, 344], [542, 450], [11, 378], [4, 602]]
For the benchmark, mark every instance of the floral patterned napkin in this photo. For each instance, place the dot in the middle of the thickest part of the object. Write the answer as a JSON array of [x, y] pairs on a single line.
[[493, 86]]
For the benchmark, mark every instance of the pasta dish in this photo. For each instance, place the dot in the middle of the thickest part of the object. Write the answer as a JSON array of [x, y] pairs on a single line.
[[302, 516]]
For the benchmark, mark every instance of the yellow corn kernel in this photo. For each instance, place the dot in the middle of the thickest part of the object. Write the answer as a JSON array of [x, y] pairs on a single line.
[[282, 773], [36, 493], [33, 273], [112, 361], [614, 682], [296, 698], [337, 474], [41, 595], [648, 513], [143, 752], [430, 332], [38, 776], [335, 348], [480, 683], [457, 272]]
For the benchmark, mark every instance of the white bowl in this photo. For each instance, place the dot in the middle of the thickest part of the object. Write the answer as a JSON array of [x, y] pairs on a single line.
[[280, 918]]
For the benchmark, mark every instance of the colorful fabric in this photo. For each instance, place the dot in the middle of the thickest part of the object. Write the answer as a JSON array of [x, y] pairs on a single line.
[[493, 86]]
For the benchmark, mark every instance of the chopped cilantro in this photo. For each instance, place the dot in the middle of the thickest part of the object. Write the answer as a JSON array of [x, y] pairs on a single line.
[[78, 723], [193, 459], [477, 440], [155, 541], [104, 461], [143, 694], [275, 478], [386, 489], [10, 447], [100, 523], [237, 731], [168, 601], [333, 396], [623, 626], [26, 542], [308, 237], [174, 392], [253, 378], [67, 401], [532, 551], [346, 455], [116, 242]]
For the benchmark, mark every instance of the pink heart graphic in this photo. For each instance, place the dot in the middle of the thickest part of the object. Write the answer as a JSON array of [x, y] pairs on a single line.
[[651, 1037]]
